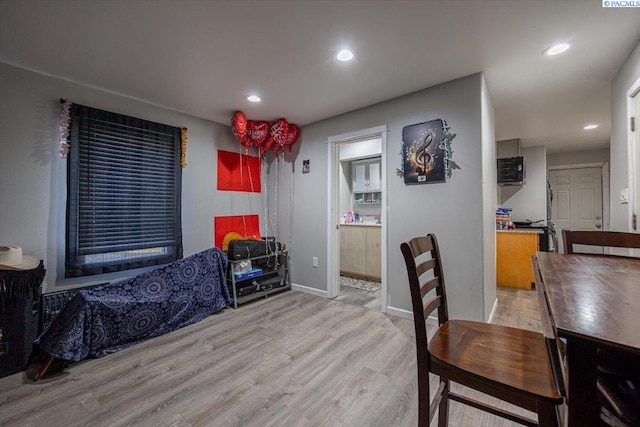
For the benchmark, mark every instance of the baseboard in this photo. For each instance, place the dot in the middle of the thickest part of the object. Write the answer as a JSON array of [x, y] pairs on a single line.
[[400, 312], [493, 311], [308, 290]]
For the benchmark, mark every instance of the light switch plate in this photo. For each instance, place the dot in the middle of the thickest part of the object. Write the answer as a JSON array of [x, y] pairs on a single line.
[[624, 196]]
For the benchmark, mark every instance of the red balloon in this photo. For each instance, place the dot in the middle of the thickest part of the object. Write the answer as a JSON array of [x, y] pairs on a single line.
[[239, 127], [292, 136], [239, 124], [246, 144], [258, 132], [279, 133], [266, 146]]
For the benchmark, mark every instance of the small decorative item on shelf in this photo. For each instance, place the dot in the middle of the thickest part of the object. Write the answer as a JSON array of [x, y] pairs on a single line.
[[503, 218]]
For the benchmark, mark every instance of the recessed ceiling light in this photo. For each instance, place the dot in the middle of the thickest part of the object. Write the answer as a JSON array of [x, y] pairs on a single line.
[[253, 98], [589, 127], [556, 49], [344, 55]]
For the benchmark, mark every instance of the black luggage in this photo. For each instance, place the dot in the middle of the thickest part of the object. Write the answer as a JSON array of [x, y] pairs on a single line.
[[271, 283], [248, 248], [243, 289]]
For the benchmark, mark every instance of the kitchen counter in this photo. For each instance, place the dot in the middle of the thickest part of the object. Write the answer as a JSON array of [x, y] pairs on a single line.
[[527, 231], [361, 224]]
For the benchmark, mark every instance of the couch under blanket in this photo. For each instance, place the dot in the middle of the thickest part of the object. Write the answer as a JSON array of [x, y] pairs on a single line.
[[111, 317]]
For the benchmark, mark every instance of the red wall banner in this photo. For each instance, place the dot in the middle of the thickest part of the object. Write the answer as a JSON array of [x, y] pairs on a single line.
[[233, 227], [238, 172]]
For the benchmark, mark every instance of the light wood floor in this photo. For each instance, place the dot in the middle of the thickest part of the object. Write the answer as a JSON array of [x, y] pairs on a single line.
[[290, 360], [360, 298]]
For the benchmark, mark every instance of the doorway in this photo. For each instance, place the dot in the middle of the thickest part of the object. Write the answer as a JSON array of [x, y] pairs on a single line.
[[577, 202], [366, 164]]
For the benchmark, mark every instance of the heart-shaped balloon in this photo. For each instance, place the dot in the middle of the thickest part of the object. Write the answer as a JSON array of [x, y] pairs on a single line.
[[292, 136], [266, 146], [239, 124], [239, 127], [279, 133], [258, 132]]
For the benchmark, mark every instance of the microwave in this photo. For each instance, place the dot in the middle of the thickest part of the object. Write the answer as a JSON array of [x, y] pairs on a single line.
[[511, 170]]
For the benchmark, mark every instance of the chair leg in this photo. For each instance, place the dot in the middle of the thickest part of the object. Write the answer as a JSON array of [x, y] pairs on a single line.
[[44, 368], [548, 416], [443, 408], [424, 400]]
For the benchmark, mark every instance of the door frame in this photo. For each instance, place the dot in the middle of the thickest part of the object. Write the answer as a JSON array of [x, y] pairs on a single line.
[[633, 175], [333, 206]]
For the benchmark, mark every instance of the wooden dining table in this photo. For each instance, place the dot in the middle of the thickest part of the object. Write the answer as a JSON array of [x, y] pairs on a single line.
[[587, 304]]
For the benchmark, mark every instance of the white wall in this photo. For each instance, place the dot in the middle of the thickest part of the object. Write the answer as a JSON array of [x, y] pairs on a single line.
[[452, 210], [577, 157], [33, 177], [361, 149], [489, 200], [529, 201], [619, 168]]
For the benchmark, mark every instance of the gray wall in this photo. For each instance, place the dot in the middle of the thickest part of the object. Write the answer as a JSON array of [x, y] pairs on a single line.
[[33, 183], [33, 177], [619, 170], [578, 157], [529, 201], [452, 210]]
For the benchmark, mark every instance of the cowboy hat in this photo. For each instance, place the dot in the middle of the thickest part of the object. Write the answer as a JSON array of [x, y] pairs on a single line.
[[11, 258]]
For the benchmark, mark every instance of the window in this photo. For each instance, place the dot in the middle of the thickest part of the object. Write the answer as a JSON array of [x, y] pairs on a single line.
[[123, 193]]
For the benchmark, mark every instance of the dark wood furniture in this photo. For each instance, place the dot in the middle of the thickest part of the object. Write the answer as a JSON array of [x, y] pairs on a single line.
[[588, 304], [20, 292], [507, 363], [614, 239]]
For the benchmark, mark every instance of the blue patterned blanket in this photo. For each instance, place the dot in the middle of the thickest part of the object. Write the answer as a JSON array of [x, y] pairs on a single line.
[[112, 317]]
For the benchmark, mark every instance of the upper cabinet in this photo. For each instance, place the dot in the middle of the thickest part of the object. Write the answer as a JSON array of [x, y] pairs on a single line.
[[366, 175]]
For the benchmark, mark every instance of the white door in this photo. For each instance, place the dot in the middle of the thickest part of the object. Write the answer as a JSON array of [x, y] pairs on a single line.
[[577, 202]]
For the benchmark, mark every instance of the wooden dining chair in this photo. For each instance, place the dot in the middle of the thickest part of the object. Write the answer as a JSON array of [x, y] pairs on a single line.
[[612, 239], [508, 363]]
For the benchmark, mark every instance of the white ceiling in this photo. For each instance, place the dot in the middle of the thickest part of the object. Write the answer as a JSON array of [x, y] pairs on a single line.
[[203, 57]]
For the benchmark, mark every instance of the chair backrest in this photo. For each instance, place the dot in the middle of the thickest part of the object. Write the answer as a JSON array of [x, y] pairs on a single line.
[[615, 239], [424, 268]]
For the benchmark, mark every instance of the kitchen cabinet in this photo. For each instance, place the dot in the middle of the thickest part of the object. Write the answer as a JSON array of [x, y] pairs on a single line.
[[514, 251], [360, 253], [367, 182], [373, 253], [367, 175]]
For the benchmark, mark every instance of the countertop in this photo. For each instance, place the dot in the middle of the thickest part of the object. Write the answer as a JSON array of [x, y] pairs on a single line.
[[521, 230], [361, 224]]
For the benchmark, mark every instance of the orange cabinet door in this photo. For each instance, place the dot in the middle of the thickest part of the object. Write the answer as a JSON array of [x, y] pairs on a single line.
[[514, 252]]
